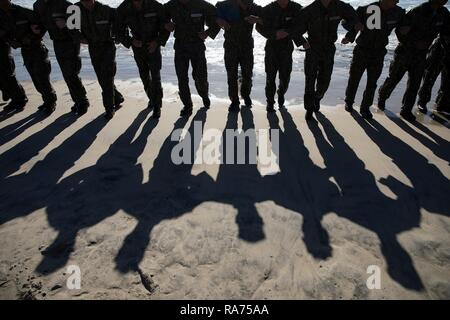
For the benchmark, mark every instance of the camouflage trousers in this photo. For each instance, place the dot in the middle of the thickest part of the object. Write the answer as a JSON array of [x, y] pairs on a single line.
[[409, 61]]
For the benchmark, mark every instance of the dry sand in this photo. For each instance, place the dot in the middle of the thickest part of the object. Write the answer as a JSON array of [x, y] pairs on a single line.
[[105, 196]]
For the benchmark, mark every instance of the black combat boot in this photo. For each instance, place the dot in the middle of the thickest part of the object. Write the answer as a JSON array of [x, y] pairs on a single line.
[[280, 101], [407, 115], [186, 111], [206, 102], [349, 107]]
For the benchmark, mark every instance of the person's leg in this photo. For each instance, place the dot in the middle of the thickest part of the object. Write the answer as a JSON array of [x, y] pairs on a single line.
[[247, 62], [431, 73], [231, 57], [324, 75], [10, 85], [271, 64], [182, 68], [69, 60], [357, 69], [38, 65], [200, 73], [443, 103], [415, 75], [285, 57], [397, 70], [142, 62], [103, 62], [374, 70], [156, 90], [311, 69]]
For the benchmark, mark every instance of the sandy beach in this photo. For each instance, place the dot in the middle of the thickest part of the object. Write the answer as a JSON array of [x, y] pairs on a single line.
[[106, 197]]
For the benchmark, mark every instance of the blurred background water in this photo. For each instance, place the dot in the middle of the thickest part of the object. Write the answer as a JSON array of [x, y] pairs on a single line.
[[127, 71]]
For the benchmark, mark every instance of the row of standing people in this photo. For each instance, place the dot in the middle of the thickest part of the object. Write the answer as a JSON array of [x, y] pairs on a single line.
[[145, 26]]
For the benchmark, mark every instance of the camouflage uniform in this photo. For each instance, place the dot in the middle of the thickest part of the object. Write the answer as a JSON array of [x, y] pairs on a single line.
[[410, 55], [434, 66], [98, 29], [146, 25], [369, 54], [9, 85], [189, 20], [35, 54], [67, 50], [443, 103], [321, 25], [238, 47], [278, 53]]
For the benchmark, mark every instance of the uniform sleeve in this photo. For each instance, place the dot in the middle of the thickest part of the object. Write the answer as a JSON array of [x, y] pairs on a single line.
[[220, 12], [36, 17], [293, 33], [3, 32], [266, 29], [300, 25], [114, 23], [408, 20], [122, 31], [256, 10], [349, 15], [352, 33], [33, 19], [445, 30], [401, 28], [163, 34], [167, 11], [211, 15]]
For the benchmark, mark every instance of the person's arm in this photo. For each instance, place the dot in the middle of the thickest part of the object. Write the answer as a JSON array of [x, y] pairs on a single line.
[[114, 24], [351, 31], [210, 19], [352, 20], [163, 34], [122, 31], [221, 17], [405, 25], [6, 33], [39, 28], [36, 24], [296, 37], [351, 17], [266, 28], [300, 26], [445, 34], [402, 28], [3, 34], [255, 14], [169, 26]]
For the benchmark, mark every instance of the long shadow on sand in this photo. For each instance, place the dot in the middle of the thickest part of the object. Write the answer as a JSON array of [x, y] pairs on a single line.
[[114, 183]]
